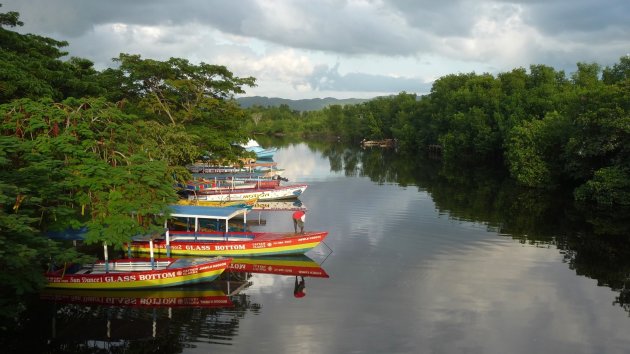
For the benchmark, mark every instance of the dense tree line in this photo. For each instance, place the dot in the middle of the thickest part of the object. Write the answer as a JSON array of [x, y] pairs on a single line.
[[547, 129], [100, 150]]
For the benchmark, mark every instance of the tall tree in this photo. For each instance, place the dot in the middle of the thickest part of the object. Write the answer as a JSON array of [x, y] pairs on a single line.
[[199, 97]]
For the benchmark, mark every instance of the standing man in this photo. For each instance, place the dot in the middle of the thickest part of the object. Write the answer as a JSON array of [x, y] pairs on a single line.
[[298, 220], [300, 287]]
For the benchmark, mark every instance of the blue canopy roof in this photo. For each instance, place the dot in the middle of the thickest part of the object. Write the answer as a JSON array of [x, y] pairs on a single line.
[[204, 212]]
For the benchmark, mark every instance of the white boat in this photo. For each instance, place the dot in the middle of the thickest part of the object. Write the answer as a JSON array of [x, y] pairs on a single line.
[[281, 192], [279, 205], [261, 153]]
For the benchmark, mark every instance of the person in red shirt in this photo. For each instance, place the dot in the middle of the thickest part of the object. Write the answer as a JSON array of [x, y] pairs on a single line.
[[298, 220], [300, 287]]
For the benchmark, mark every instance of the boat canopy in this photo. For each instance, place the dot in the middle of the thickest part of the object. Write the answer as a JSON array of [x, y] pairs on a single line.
[[204, 212]]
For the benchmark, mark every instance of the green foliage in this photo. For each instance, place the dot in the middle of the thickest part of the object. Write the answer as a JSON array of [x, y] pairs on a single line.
[[102, 150], [602, 130], [11, 19], [534, 149], [81, 158], [609, 186], [617, 73], [31, 67], [197, 98]]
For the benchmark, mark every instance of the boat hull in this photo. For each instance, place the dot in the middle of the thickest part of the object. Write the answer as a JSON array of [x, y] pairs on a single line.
[[284, 192], [199, 271], [262, 244]]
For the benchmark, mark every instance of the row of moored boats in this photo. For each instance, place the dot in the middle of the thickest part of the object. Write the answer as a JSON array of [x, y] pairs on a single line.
[[195, 253]]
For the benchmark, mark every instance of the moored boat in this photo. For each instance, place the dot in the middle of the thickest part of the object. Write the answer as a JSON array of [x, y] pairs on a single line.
[[262, 169], [219, 204], [240, 175], [279, 205], [280, 192], [216, 184], [224, 243], [261, 152], [137, 273], [233, 243]]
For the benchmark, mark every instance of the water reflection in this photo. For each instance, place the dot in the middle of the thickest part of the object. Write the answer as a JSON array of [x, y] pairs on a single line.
[[426, 258], [238, 276], [90, 321], [194, 296], [595, 243]]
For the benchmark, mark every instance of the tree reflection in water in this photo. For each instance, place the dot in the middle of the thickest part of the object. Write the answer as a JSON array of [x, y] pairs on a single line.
[[595, 242]]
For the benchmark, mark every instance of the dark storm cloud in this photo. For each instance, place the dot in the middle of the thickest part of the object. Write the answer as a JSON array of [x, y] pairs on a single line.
[[403, 27], [557, 17], [441, 18], [317, 25]]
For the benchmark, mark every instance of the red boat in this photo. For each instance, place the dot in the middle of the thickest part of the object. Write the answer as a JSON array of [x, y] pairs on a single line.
[[224, 243]]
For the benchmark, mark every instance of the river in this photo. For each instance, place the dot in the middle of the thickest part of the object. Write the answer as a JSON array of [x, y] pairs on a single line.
[[419, 259]]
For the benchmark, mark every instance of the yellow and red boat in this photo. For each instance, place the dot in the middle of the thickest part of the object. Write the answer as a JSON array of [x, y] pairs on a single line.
[[223, 243], [137, 273]]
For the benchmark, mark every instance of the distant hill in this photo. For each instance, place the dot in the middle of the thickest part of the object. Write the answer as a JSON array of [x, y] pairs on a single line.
[[313, 104]]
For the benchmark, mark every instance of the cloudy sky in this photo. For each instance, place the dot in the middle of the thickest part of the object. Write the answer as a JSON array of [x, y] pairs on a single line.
[[335, 48]]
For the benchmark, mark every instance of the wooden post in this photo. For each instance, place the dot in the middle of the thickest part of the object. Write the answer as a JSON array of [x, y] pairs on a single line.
[[151, 253], [106, 257], [168, 243]]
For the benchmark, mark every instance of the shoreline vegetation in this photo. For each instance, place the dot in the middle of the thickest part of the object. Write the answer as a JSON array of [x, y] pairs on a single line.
[[87, 148]]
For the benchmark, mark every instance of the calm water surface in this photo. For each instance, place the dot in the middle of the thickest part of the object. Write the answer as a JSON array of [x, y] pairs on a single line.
[[413, 268]]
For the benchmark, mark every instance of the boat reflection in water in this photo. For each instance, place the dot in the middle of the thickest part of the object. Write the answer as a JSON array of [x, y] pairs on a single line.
[[207, 297], [117, 319], [237, 277], [279, 205], [160, 320], [298, 265]]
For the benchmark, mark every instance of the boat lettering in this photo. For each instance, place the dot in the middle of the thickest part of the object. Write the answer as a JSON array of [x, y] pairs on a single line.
[[259, 245], [198, 247], [187, 301], [308, 238], [229, 247], [214, 247], [189, 271], [237, 266], [92, 280], [126, 301], [280, 242], [157, 276], [113, 300], [110, 279], [156, 301]]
